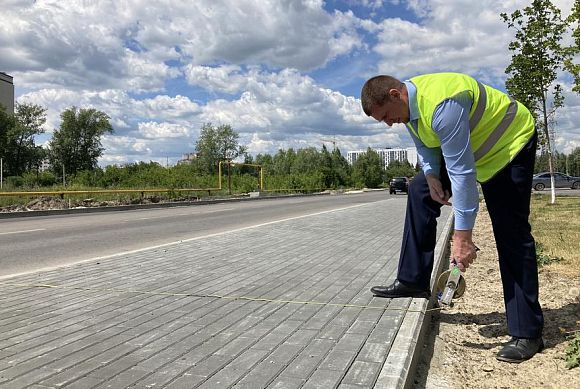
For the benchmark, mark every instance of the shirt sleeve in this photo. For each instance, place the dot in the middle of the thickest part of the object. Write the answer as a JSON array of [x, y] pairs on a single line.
[[429, 157], [451, 123]]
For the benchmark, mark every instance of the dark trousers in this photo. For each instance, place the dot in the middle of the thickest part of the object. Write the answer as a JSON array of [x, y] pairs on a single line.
[[507, 196]]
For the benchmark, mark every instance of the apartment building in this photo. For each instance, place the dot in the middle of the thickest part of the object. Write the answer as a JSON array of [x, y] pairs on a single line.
[[7, 92], [388, 155]]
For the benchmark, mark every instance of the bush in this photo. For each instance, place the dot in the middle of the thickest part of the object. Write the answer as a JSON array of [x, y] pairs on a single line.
[[545, 259], [573, 352]]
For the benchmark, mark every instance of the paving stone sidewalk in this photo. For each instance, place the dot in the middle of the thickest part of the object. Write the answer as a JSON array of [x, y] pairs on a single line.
[[280, 305]]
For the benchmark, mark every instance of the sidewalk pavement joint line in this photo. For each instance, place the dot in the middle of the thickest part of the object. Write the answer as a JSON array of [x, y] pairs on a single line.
[[185, 240], [216, 296]]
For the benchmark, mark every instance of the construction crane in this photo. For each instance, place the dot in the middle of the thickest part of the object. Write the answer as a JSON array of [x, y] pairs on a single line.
[[333, 140]]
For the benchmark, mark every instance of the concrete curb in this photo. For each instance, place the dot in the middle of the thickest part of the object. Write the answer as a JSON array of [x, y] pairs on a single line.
[[399, 368], [51, 212]]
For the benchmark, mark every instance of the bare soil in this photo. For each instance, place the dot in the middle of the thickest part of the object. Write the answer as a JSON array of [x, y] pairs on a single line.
[[461, 343]]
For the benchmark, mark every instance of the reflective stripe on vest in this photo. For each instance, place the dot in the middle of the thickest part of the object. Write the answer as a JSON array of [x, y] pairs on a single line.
[[480, 109], [497, 132], [509, 117]]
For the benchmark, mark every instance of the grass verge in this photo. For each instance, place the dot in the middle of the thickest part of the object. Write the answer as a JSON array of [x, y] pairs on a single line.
[[556, 228]]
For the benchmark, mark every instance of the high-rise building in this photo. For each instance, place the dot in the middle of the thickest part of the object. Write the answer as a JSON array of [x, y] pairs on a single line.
[[388, 155], [7, 92]]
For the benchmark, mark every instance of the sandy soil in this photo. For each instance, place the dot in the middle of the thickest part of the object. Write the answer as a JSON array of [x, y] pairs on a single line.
[[461, 343]]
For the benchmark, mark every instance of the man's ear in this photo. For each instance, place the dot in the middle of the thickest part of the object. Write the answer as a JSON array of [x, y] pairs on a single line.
[[394, 93]]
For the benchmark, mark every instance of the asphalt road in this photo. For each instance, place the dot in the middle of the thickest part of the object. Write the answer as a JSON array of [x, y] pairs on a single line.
[[34, 243], [559, 192]]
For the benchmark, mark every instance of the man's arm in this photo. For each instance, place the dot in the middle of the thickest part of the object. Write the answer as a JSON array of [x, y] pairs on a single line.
[[451, 123]]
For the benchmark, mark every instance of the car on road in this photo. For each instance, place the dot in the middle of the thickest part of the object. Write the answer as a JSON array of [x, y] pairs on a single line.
[[541, 181], [398, 184]]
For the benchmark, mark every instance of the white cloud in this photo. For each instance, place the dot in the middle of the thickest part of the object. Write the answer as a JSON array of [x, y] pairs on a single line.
[[153, 130], [456, 35], [128, 44]]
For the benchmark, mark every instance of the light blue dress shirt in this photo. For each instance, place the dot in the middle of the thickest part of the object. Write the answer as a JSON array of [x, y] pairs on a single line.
[[451, 124]]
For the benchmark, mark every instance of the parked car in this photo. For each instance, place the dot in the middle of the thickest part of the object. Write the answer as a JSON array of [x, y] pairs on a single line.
[[561, 180], [400, 184]]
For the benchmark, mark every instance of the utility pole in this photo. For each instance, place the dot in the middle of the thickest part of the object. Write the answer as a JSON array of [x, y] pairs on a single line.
[[229, 178], [1, 174]]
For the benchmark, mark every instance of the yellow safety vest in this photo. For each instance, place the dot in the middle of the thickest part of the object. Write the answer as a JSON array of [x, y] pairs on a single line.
[[500, 126]]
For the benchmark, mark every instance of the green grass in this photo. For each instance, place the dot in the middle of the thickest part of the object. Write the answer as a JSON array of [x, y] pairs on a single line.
[[556, 228]]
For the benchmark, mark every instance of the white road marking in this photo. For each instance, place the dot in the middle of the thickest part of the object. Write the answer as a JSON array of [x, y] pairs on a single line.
[[22, 232]]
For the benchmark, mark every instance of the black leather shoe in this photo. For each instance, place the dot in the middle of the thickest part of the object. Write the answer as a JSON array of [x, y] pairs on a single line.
[[520, 349], [398, 289]]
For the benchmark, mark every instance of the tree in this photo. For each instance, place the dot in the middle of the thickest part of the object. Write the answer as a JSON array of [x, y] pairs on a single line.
[[76, 145], [538, 56], [368, 170], [574, 49], [29, 121], [18, 149], [342, 169], [399, 169], [217, 144], [6, 125]]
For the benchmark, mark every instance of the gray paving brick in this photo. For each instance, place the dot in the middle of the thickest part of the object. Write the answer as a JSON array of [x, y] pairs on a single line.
[[374, 352], [286, 383], [186, 381], [302, 366], [125, 379], [350, 342], [362, 373], [323, 379], [338, 360]]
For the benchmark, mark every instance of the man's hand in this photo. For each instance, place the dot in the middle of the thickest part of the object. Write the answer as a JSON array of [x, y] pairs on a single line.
[[436, 190], [463, 251]]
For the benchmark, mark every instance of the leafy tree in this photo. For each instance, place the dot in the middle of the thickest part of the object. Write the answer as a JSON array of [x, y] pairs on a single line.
[[6, 125], [304, 161], [341, 168], [368, 169], [399, 169], [18, 149], [327, 169], [29, 121], [216, 144], [574, 49], [538, 56], [76, 145], [283, 161]]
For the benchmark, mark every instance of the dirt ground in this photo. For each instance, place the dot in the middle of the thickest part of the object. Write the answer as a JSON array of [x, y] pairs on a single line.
[[461, 343]]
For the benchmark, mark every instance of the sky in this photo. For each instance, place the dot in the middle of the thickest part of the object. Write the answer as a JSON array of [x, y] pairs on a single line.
[[281, 73]]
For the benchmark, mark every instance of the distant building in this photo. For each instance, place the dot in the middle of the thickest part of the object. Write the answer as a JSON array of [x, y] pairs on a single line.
[[7, 92], [187, 158], [44, 165], [388, 155]]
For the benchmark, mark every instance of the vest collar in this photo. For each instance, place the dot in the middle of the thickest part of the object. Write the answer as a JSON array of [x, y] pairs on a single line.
[[413, 106]]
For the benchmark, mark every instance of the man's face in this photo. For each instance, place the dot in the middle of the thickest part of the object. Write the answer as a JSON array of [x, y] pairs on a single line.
[[396, 110]]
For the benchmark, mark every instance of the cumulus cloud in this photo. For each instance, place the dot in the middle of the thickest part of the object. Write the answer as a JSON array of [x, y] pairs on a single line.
[[128, 45]]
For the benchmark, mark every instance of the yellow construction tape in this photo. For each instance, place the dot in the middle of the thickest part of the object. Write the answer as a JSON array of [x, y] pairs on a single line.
[[245, 298]]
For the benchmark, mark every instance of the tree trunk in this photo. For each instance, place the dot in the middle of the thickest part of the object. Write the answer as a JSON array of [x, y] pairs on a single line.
[[549, 143]]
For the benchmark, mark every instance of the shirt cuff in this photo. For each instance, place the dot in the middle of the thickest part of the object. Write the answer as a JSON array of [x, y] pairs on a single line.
[[465, 220]]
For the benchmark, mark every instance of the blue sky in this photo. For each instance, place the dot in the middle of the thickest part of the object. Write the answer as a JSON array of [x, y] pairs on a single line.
[[282, 73]]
